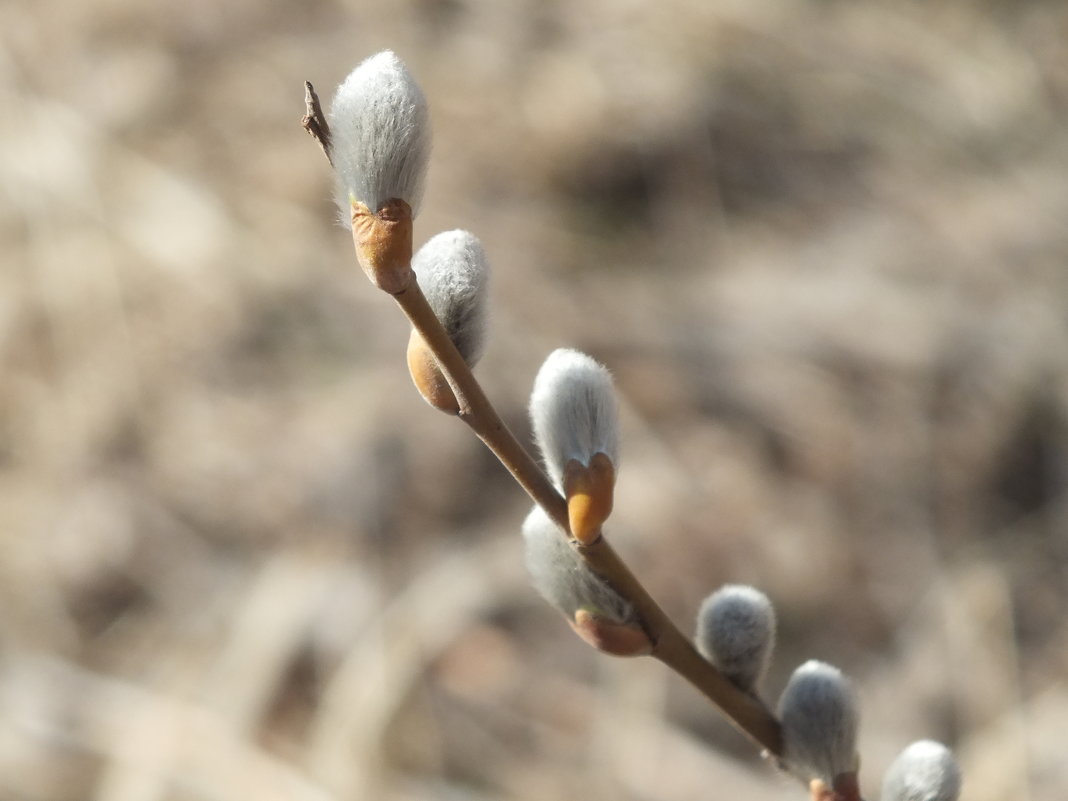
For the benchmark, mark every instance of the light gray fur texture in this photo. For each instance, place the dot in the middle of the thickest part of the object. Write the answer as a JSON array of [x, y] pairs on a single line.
[[574, 412], [453, 273], [562, 578], [819, 723], [736, 633], [925, 771], [380, 135]]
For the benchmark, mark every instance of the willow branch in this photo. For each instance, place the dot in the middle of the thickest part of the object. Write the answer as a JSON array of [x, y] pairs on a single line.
[[669, 645]]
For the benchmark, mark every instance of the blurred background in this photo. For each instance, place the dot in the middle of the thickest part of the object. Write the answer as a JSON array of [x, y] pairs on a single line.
[[822, 246]]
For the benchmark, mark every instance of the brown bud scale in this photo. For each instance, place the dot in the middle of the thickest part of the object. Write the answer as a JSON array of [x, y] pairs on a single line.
[[383, 241], [617, 639], [428, 378]]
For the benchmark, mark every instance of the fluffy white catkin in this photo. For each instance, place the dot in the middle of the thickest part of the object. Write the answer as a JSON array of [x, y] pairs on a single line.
[[736, 633], [924, 771], [562, 578], [574, 412], [819, 720], [380, 135], [453, 274]]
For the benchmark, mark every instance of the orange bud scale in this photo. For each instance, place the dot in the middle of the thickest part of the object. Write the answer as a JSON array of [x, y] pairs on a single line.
[[588, 491]]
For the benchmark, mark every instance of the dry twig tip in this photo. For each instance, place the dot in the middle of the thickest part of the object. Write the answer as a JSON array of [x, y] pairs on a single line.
[[314, 121]]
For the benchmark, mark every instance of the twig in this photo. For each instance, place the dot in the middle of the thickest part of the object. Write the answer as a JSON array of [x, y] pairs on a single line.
[[378, 236], [476, 410], [670, 646], [314, 121]]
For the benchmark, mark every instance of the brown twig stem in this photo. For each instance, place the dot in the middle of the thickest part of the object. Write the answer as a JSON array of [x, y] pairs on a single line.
[[676, 651], [476, 410], [670, 646]]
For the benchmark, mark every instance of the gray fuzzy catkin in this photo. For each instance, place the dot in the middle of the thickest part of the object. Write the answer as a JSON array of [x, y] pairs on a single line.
[[736, 633], [819, 720], [452, 272], [379, 135], [574, 412], [924, 771], [563, 579]]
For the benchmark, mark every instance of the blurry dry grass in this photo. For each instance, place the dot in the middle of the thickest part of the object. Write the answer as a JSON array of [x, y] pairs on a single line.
[[823, 245]]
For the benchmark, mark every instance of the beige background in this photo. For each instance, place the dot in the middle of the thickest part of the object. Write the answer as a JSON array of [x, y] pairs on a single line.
[[822, 246]]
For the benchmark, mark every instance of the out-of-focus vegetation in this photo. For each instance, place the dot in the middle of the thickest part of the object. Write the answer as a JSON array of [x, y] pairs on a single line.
[[822, 245]]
